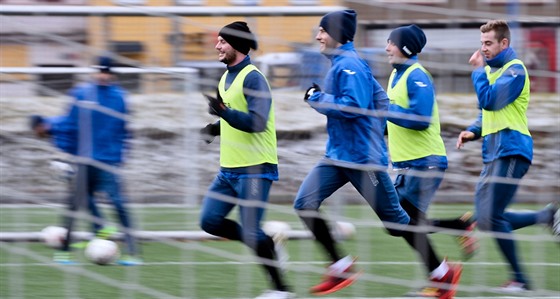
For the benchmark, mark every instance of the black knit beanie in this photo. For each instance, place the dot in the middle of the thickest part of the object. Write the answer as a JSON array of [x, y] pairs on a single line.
[[104, 64], [409, 39], [239, 36], [340, 25]]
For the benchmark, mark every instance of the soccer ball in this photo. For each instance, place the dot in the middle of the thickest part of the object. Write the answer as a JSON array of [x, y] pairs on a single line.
[[61, 170], [54, 236], [345, 230], [102, 252], [278, 230]]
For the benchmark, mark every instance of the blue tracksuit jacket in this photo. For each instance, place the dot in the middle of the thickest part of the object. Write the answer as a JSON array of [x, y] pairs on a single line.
[[505, 90], [421, 103], [91, 133], [353, 136]]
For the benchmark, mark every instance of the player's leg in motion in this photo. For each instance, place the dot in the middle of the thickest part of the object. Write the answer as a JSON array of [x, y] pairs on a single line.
[[491, 199], [415, 194], [110, 183], [97, 221], [320, 183], [215, 210], [378, 190], [76, 201], [466, 223]]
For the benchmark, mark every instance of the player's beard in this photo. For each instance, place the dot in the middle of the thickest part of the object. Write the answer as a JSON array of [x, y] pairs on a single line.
[[229, 57]]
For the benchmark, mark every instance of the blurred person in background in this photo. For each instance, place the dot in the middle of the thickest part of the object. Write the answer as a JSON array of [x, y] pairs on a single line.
[[502, 86], [94, 132], [418, 153], [248, 154], [356, 152]]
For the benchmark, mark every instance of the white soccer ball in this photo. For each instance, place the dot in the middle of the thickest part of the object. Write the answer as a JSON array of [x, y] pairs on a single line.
[[345, 230], [278, 230], [102, 252], [54, 236], [61, 170]]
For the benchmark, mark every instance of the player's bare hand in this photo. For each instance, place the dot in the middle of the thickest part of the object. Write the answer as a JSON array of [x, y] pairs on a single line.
[[463, 138], [476, 60]]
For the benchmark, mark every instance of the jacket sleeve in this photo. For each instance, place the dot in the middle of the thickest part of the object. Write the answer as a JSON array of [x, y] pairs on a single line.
[[504, 91], [352, 98], [64, 131], [421, 103], [259, 102], [476, 127]]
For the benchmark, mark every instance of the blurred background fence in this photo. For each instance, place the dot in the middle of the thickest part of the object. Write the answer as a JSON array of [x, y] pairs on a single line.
[[168, 33], [165, 57]]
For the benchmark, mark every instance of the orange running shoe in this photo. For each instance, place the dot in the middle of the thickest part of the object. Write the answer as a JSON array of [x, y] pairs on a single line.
[[447, 285], [333, 282], [467, 241]]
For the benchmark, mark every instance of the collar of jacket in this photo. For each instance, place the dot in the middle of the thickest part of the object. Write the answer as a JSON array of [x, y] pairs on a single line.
[[238, 67], [502, 58], [334, 53], [401, 67]]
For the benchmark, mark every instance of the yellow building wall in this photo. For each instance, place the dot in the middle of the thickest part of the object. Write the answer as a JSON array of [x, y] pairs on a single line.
[[274, 34], [13, 56]]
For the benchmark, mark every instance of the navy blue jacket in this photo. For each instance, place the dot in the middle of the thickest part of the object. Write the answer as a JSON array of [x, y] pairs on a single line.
[[421, 102], [259, 103], [350, 97], [96, 130], [504, 91]]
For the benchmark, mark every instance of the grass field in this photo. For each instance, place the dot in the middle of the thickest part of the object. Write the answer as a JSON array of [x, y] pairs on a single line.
[[224, 269]]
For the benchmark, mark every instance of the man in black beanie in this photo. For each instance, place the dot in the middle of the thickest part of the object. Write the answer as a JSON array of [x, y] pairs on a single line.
[[409, 40], [248, 155], [340, 25], [355, 150], [418, 152], [239, 36]]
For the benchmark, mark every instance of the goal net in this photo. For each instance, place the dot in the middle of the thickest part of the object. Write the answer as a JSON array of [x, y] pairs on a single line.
[[169, 166]]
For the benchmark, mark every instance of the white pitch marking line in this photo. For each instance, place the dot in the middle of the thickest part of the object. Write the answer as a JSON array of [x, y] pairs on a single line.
[[221, 263]]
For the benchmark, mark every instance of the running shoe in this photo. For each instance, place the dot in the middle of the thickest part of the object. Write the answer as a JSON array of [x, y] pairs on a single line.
[[467, 241], [333, 282], [447, 285]]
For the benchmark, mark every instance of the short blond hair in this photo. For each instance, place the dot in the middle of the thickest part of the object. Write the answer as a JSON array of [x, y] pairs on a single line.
[[499, 26]]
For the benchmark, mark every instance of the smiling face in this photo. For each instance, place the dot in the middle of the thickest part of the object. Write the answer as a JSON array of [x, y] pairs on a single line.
[[327, 43], [491, 46], [394, 55], [226, 53]]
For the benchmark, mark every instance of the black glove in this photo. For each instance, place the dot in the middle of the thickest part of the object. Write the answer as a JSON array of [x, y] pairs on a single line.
[[35, 120], [215, 105], [210, 131], [311, 90], [38, 125]]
